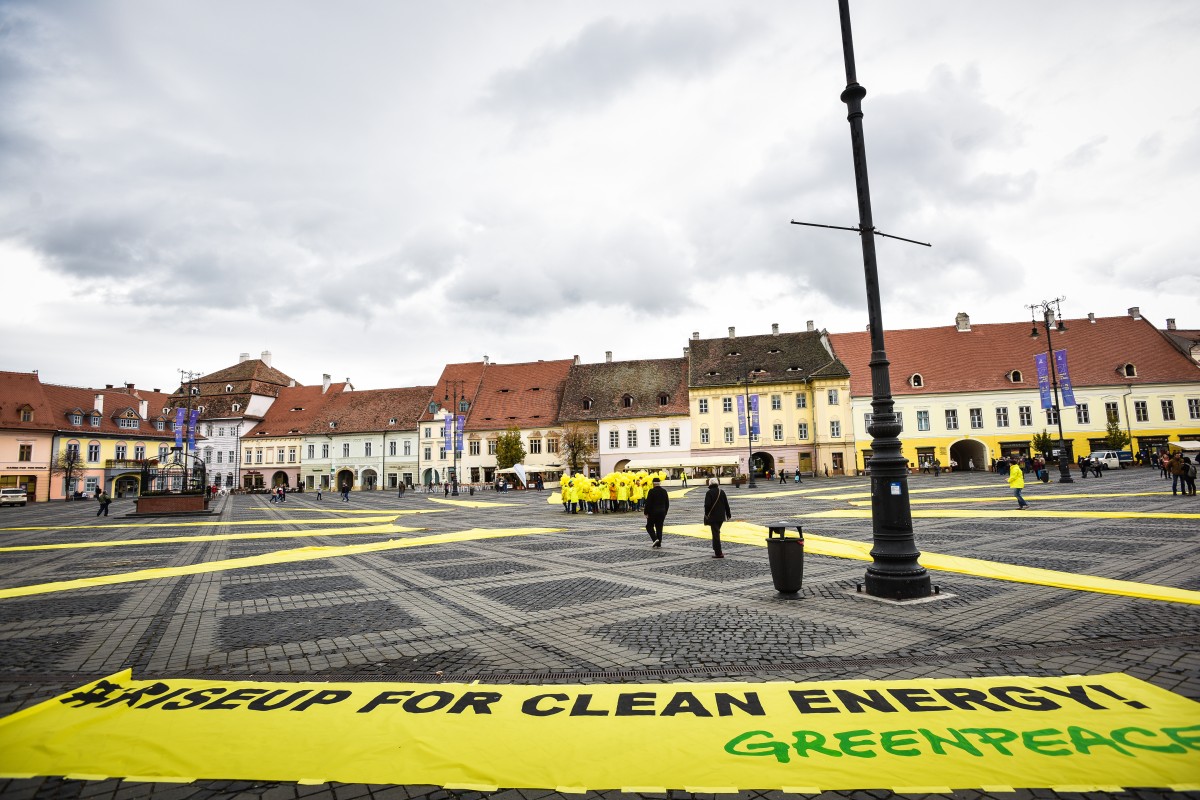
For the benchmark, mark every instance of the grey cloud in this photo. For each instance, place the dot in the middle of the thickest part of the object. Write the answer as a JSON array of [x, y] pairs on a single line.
[[608, 56], [1086, 154]]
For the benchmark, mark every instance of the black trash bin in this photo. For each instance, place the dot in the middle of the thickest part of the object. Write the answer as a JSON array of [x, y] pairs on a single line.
[[786, 556]]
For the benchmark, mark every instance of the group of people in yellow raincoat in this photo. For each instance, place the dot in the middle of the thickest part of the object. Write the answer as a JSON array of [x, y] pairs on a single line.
[[614, 493]]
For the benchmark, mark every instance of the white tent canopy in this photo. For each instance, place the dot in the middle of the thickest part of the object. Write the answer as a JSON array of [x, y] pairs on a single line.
[[1186, 445], [681, 462], [539, 468]]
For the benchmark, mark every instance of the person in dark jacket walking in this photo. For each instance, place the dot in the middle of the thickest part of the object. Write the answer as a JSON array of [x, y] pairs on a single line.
[[657, 505], [716, 511], [105, 500]]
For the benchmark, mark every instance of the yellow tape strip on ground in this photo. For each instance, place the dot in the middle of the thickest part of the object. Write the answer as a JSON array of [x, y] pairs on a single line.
[[470, 503], [756, 535], [366, 530], [1008, 498], [336, 509], [209, 523], [1085, 732], [278, 557], [976, 513]]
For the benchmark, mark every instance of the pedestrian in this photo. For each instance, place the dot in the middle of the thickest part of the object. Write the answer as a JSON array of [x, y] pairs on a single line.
[[1189, 476], [1016, 480], [716, 511], [657, 505], [1175, 467], [937, 467], [104, 500], [797, 476], [345, 493], [782, 476], [318, 491], [971, 464]]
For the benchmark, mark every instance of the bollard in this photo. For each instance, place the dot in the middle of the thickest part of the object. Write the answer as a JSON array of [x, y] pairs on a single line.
[[786, 557]]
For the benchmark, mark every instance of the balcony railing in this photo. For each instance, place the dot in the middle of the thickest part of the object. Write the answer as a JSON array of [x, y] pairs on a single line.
[[129, 463]]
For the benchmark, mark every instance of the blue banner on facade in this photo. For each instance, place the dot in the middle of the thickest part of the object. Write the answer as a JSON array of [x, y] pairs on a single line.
[[179, 412], [1064, 378], [754, 429], [459, 425], [448, 433], [741, 404], [1043, 375], [741, 409], [192, 428]]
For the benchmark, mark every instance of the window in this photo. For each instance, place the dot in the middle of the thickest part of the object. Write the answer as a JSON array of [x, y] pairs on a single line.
[[627, 401], [367, 449], [535, 446], [655, 437], [428, 434], [491, 447], [258, 455], [916, 381], [594, 440], [1082, 416], [1168, 410], [614, 439], [1002, 417], [551, 445], [922, 420], [248, 457], [26, 415], [664, 399], [867, 420], [312, 451], [163, 450], [473, 447], [776, 402], [777, 431], [208, 431], [291, 455], [208, 455], [1194, 408], [158, 424], [1025, 414], [832, 397], [345, 449], [91, 485], [408, 448], [951, 419], [1140, 411], [119, 453], [232, 455], [703, 405], [1051, 416], [673, 433], [77, 419], [139, 452], [631, 438], [392, 448], [1112, 412], [835, 428], [587, 403], [93, 452], [236, 407], [728, 434], [127, 422], [899, 419], [1130, 371], [96, 422], [704, 438], [801, 400], [802, 430], [1015, 376], [325, 451], [25, 452], [279, 455], [220, 454], [727, 404], [976, 418], [429, 453], [442, 453]]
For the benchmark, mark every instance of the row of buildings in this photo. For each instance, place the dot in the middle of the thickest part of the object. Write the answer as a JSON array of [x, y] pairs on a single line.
[[965, 393]]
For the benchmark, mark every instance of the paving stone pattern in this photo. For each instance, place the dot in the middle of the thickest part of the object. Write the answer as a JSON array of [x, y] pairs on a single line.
[[588, 604]]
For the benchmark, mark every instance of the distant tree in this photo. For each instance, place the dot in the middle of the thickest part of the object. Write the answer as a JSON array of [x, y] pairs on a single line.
[[1117, 438], [1042, 442], [68, 463], [577, 445], [509, 449]]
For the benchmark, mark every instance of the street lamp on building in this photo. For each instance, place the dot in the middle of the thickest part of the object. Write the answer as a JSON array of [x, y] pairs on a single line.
[[459, 405], [1052, 320], [746, 381]]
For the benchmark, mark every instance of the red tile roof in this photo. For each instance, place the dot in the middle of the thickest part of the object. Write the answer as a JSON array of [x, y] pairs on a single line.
[[606, 384], [521, 395], [295, 410], [461, 378], [373, 410], [19, 390], [65, 400], [981, 359]]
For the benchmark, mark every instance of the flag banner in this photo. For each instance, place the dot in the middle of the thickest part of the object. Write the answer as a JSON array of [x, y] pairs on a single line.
[[448, 434], [754, 429], [192, 428], [1043, 375], [179, 420], [1090, 733], [1064, 378], [741, 412], [459, 425]]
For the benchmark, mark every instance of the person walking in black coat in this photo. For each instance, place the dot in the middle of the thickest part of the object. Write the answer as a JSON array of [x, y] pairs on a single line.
[[716, 511], [657, 504]]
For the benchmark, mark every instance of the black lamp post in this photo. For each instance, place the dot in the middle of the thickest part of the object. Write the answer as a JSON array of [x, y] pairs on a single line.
[[895, 571], [454, 395], [749, 431], [1052, 319]]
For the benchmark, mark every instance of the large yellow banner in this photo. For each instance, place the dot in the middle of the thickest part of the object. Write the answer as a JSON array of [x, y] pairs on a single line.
[[1073, 733]]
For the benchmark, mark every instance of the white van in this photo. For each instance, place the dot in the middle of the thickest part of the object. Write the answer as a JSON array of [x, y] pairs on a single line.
[[1107, 459]]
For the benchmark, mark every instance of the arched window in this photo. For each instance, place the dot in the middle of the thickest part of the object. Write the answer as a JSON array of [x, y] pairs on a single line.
[[228, 388], [195, 390], [236, 407], [1015, 376], [588, 403], [663, 399], [627, 401], [1129, 371], [916, 381]]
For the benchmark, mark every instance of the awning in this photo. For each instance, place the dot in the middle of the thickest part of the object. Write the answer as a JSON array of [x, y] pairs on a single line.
[[1186, 445], [539, 468], [682, 462]]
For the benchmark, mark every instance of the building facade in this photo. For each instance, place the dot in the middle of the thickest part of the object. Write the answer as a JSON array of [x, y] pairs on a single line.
[[272, 451]]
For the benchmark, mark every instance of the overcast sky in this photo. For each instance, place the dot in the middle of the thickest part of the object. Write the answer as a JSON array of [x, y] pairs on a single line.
[[373, 189]]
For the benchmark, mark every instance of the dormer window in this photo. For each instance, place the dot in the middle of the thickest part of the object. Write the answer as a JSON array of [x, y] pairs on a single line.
[[26, 414], [229, 388], [159, 425], [77, 419], [795, 369], [504, 391], [757, 371], [627, 401], [733, 353], [663, 399], [236, 407], [774, 351], [1016, 377], [1129, 371], [392, 421], [298, 408], [333, 424], [200, 409], [195, 390], [95, 420], [712, 373], [916, 380], [166, 409], [588, 403]]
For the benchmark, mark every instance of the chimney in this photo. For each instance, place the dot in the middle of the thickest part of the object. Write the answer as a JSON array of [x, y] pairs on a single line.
[[266, 357], [731, 334], [1135, 312], [1092, 317], [962, 322], [324, 383], [156, 390], [485, 360], [144, 409], [1170, 323], [99, 402], [243, 357], [686, 350], [292, 383], [608, 356], [810, 326], [774, 328], [129, 386], [576, 357], [108, 386], [695, 334]]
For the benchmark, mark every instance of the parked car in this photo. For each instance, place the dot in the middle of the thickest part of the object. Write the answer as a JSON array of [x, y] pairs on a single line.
[[13, 497], [1108, 459]]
